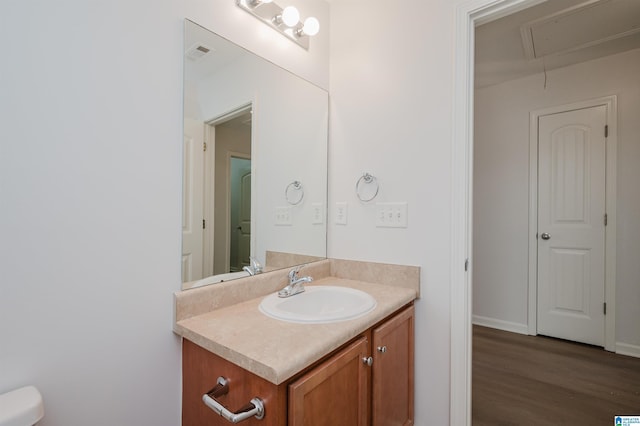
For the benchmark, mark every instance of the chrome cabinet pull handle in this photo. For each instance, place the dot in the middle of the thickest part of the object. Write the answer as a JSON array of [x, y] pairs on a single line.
[[545, 236], [367, 361], [255, 408], [382, 349]]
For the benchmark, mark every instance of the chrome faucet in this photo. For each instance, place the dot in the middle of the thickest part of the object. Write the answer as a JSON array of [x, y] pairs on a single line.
[[295, 283], [255, 267]]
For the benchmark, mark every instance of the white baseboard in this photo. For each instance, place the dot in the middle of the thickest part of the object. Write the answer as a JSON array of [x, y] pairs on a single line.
[[626, 349], [514, 327]]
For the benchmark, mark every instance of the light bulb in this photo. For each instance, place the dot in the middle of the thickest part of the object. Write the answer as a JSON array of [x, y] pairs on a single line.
[[311, 26], [290, 16]]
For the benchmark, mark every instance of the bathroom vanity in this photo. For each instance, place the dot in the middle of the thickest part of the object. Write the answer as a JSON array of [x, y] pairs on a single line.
[[353, 372]]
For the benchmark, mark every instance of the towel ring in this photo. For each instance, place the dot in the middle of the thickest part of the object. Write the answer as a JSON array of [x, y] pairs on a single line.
[[294, 193], [367, 187]]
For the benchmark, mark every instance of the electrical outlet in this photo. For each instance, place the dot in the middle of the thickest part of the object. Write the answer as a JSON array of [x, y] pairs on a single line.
[[318, 214], [391, 215], [341, 213], [284, 216]]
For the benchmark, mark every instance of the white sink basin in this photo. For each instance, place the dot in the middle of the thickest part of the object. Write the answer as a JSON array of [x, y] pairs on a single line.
[[319, 305]]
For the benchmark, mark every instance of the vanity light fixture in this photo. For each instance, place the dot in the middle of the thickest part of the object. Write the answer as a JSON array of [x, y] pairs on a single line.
[[284, 20]]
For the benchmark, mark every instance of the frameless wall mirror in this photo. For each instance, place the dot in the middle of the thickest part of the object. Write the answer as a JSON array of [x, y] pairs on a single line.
[[255, 163]]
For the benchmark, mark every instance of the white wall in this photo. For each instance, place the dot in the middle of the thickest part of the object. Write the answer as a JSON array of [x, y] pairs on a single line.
[[391, 115], [501, 178], [90, 190]]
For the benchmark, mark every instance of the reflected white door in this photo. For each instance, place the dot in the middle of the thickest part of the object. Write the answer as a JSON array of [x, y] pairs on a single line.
[[245, 220], [240, 212], [192, 200], [571, 227]]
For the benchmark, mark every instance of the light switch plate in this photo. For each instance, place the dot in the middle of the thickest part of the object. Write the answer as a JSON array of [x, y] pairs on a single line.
[[284, 216], [341, 213], [318, 214], [391, 215]]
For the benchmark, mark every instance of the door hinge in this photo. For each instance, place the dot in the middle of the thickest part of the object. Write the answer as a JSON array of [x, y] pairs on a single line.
[[606, 219], [466, 265], [604, 308], [204, 224], [606, 131], [204, 146]]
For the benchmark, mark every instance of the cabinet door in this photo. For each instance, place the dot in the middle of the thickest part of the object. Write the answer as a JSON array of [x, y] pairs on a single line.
[[392, 375], [335, 392]]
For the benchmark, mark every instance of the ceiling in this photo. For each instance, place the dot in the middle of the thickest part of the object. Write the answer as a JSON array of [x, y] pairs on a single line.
[[554, 34]]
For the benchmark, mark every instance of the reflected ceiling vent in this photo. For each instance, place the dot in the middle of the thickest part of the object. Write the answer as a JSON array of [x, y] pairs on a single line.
[[573, 28], [197, 51]]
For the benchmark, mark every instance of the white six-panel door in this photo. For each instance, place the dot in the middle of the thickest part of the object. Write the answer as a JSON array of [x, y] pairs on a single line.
[[571, 225]]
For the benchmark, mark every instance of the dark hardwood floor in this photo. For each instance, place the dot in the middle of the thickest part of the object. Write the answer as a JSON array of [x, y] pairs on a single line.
[[535, 380]]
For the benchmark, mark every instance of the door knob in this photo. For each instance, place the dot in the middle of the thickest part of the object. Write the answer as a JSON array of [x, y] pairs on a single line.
[[545, 236]]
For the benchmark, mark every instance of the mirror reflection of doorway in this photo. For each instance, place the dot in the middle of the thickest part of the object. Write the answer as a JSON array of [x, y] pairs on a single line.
[[231, 192], [240, 218]]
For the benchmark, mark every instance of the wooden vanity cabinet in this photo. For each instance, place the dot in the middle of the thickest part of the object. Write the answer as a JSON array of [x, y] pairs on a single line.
[[343, 389]]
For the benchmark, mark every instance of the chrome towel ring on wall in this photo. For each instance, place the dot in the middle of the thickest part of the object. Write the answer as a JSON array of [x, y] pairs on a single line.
[[367, 187], [294, 193]]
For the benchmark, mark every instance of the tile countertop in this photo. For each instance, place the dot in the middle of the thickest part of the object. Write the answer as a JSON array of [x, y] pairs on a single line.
[[277, 350]]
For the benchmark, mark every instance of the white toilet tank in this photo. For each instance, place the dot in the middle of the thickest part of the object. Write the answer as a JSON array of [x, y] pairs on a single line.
[[21, 407]]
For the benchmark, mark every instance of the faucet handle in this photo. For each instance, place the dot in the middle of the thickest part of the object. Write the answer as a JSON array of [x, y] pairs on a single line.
[[293, 274], [257, 267]]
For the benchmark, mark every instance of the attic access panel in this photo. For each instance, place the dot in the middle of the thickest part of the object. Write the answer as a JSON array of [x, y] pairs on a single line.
[[585, 25]]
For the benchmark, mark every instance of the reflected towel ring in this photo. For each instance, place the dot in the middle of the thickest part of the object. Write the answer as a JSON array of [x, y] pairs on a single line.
[[367, 187], [294, 193]]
